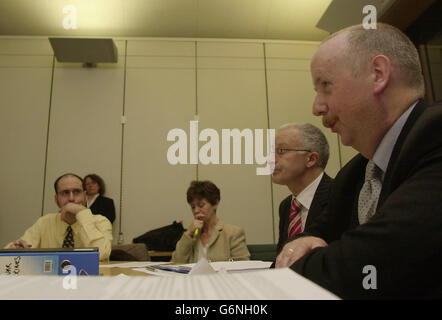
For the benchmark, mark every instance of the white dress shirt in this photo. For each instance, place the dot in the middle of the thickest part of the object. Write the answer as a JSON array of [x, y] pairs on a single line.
[[89, 204], [384, 150], [305, 197], [202, 250]]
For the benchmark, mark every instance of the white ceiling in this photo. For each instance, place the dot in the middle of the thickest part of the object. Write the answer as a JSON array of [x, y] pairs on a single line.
[[247, 19], [344, 13]]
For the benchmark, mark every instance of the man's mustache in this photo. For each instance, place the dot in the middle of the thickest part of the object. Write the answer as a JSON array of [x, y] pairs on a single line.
[[329, 120]]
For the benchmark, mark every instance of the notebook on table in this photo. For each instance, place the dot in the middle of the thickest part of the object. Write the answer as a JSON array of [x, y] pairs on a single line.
[[49, 261]]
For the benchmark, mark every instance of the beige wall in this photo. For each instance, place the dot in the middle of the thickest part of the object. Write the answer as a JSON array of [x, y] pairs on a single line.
[[85, 127], [232, 94], [25, 83], [160, 96], [291, 98], [158, 85]]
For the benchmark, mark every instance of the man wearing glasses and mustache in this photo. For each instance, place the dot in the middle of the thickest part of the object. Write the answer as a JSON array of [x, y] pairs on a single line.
[[385, 210]]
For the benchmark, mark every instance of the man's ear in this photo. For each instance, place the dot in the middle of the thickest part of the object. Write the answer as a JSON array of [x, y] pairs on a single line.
[[312, 159], [380, 67], [56, 200]]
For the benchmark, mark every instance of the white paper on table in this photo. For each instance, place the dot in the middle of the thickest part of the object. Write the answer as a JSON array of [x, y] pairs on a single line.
[[202, 267], [274, 284], [158, 272], [235, 266]]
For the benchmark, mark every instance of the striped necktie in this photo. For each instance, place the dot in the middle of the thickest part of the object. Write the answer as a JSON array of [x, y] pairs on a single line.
[[295, 219], [69, 239]]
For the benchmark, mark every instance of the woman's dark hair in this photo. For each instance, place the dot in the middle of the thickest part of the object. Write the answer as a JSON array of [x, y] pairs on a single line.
[[203, 190], [98, 180]]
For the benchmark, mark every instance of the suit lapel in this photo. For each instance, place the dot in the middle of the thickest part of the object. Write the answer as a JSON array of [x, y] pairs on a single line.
[[388, 183], [320, 199], [215, 234], [286, 215], [348, 184]]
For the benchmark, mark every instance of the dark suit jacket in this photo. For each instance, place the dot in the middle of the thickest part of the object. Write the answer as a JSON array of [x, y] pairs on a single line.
[[403, 240], [319, 202], [105, 207]]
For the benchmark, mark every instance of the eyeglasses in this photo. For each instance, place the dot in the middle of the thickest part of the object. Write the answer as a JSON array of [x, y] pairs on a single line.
[[282, 151], [67, 193]]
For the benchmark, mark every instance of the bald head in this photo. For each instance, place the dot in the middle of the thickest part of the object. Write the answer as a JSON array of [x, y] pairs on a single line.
[[359, 46], [365, 79], [66, 175]]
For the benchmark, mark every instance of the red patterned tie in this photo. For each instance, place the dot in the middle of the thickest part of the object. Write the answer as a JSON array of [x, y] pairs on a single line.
[[295, 219]]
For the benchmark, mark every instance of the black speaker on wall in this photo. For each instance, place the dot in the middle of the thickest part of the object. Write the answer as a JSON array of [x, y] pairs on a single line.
[[84, 50]]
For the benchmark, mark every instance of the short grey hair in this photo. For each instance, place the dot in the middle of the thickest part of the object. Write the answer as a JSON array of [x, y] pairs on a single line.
[[364, 44], [313, 139]]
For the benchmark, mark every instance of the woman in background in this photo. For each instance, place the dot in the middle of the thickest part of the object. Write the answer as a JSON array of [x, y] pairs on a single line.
[[96, 201], [208, 236]]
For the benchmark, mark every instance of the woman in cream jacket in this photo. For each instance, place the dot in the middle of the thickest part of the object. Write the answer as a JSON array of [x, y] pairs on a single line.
[[208, 236]]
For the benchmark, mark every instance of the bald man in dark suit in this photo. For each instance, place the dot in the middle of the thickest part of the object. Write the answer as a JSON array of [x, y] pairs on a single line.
[[381, 235]]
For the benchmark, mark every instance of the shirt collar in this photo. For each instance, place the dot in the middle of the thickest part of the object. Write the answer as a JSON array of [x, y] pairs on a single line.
[[383, 152], [65, 225], [305, 197], [89, 204]]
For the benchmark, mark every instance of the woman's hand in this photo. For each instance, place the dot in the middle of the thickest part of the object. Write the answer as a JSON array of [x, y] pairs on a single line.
[[196, 224]]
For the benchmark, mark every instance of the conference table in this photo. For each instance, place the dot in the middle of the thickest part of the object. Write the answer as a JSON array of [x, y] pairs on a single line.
[[155, 256], [117, 270]]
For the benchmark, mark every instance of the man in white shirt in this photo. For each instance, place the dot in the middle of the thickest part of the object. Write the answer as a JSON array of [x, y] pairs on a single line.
[[301, 155]]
